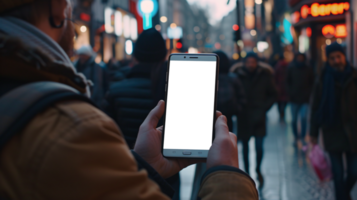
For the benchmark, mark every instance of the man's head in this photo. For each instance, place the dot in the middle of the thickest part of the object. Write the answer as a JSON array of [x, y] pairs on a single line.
[[150, 47], [336, 57], [251, 61], [85, 53], [40, 13], [300, 58]]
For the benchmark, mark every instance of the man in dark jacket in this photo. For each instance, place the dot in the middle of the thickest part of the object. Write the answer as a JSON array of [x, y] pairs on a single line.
[[300, 80], [132, 99], [261, 94], [230, 97], [86, 65], [334, 110]]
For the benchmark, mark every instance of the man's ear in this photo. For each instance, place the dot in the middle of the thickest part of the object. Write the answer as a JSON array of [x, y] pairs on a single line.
[[58, 10]]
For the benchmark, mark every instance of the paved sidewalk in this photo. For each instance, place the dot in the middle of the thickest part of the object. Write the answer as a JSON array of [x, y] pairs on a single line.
[[288, 175]]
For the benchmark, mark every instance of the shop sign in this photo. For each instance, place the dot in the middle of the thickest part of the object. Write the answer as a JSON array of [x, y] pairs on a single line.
[[120, 23], [249, 18], [147, 9], [317, 9], [174, 33], [320, 10], [338, 31]]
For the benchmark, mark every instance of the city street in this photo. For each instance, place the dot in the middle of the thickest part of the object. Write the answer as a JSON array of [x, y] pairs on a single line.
[[288, 175]]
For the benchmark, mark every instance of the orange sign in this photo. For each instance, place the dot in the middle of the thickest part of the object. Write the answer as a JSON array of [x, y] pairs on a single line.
[[340, 31], [317, 9]]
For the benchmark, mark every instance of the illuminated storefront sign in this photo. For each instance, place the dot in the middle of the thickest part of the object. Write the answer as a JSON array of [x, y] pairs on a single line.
[[317, 9], [249, 18], [338, 31], [147, 9], [120, 23]]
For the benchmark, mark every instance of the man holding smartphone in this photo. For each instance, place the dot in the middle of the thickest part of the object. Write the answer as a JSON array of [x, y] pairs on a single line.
[[72, 150]]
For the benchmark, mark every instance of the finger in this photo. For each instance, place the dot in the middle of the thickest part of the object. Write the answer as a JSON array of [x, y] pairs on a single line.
[[161, 128], [233, 138], [187, 162], [221, 128], [155, 115], [218, 114]]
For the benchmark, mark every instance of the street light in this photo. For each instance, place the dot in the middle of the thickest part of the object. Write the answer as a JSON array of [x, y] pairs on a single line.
[[163, 19], [83, 29], [253, 32], [147, 9], [258, 1], [173, 25]]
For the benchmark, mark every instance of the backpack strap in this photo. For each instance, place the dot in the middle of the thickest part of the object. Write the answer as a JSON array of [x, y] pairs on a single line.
[[19, 106]]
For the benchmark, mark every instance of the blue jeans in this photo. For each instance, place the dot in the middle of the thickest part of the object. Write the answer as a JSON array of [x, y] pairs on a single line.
[[258, 149], [343, 186], [296, 111]]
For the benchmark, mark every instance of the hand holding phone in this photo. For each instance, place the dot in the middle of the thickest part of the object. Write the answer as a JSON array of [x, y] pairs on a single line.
[[148, 146]]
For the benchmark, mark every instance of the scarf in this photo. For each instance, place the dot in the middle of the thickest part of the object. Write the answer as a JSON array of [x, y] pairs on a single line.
[[327, 113], [51, 58]]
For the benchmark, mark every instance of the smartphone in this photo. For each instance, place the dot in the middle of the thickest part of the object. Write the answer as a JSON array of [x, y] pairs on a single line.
[[190, 114]]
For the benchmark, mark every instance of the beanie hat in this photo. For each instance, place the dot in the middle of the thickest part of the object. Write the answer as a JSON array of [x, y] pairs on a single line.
[[150, 47], [251, 55], [334, 47], [6, 5], [85, 50], [223, 62]]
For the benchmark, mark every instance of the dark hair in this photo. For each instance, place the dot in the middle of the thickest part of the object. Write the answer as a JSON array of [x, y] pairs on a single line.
[[31, 12]]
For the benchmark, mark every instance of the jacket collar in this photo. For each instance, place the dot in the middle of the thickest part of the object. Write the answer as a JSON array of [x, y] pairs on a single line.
[[350, 78], [141, 70], [21, 62]]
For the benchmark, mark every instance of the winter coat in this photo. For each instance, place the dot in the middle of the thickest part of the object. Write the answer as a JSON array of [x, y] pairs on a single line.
[[230, 97], [339, 137], [281, 71], [131, 100], [261, 94], [74, 151], [300, 81], [96, 74]]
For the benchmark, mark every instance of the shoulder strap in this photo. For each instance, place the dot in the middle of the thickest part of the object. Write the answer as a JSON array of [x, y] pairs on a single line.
[[20, 105]]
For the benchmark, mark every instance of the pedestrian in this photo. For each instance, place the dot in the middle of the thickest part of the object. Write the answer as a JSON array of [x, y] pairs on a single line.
[[86, 65], [334, 111], [71, 150], [230, 97], [281, 70], [300, 81], [261, 93], [132, 99]]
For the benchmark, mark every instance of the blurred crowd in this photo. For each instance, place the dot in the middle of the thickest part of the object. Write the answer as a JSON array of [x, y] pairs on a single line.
[[247, 90], [72, 150]]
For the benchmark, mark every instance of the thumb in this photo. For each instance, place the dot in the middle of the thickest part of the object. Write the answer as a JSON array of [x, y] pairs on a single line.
[[155, 115], [221, 128]]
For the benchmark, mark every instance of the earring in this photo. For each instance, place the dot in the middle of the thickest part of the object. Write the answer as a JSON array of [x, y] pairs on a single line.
[[52, 21], [53, 24]]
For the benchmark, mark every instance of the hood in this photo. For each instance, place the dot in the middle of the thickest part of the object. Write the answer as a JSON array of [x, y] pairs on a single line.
[[239, 65], [22, 62]]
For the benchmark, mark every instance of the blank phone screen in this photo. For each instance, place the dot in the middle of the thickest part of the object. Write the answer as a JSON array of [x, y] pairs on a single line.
[[190, 105]]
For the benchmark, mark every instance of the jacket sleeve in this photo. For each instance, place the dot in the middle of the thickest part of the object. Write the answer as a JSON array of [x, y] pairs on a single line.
[[225, 182], [239, 92], [271, 93], [92, 161], [315, 102]]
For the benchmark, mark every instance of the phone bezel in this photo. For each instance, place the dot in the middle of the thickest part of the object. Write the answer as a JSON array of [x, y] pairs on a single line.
[[188, 57]]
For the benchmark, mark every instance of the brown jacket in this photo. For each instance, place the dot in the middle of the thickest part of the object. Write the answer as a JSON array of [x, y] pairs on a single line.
[[74, 151]]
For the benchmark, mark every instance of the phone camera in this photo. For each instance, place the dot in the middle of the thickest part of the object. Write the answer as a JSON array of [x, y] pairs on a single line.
[[184, 57]]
